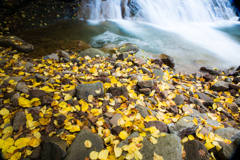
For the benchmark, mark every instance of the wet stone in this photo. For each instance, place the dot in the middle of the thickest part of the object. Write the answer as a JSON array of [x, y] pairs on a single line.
[[162, 127]]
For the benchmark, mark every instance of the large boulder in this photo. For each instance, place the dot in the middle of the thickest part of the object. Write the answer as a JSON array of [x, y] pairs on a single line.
[[53, 148], [16, 43], [92, 52], [227, 133], [84, 90], [220, 86], [79, 151], [227, 151], [128, 48]]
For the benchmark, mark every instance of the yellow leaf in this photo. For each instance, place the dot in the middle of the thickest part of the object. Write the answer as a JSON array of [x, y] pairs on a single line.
[[157, 157], [117, 151], [209, 145], [200, 135], [4, 112], [88, 144], [56, 96], [62, 104], [90, 98], [153, 140], [24, 102], [84, 106], [34, 142], [130, 156], [190, 137], [163, 134], [28, 152], [93, 155], [11, 149], [16, 156], [8, 129], [185, 139], [67, 97], [195, 121], [123, 135], [21, 142], [47, 89], [137, 155], [103, 154], [216, 100], [214, 106]]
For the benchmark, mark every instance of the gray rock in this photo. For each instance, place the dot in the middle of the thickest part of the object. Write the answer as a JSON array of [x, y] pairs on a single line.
[[228, 150], [72, 92], [197, 102], [233, 107], [22, 87], [40, 78], [122, 56], [53, 148], [169, 147], [182, 128], [143, 110], [118, 91], [209, 121], [10, 41], [19, 120], [92, 52], [63, 54], [142, 54], [78, 150], [66, 60], [178, 99], [145, 70], [193, 148], [28, 65], [162, 127], [115, 118], [53, 56], [15, 96], [207, 100], [3, 61], [236, 80], [145, 84], [16, 79], [158, 73], [84, 90], [129, 47], [36, 93], [220, 86], [234, 86], [227, 133]]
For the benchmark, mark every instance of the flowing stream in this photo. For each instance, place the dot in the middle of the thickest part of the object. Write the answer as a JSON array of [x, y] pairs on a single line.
[[194, 32]]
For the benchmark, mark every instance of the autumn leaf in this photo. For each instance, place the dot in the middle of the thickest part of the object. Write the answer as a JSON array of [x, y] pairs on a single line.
[[88, 144]]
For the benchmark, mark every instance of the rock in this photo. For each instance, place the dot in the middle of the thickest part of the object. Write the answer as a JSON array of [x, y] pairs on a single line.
[[66, 60], [28, 65], [209, 70], [207, 100], [118, 91], [84, 90], [209, 121], [78, 151], [14, 42], [158, 61], [227, 151], [236, 80], [169, 62], [92, 118], [145, 70], [36, 93], [162, 127], [103, 79], [174, 109], [178, 99], [227, 79], [233, 107], [116, 130], [195, 150], [208, 77], [61, 118], [36, 153], [169, 147], [197, 102], [3, 61], [220, 86], [40, 78], [15, 96], [63, 54], [143, 110], [92, 52], [122, 56], [115, 118], [145, 84], [53, 148], [158, 73], [141, 54], [145, 90], [22, 87], [19, 120], [234, 86], [128, 47], [227, 133], [53, 56], [182, 128], [46, 100], [139, 61], [16, 79]]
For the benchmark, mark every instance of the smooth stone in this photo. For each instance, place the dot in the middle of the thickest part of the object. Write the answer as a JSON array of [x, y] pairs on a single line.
[[22, 87], [227, 133], [84, 90], [92, 52], [19, 120], [220, 86]]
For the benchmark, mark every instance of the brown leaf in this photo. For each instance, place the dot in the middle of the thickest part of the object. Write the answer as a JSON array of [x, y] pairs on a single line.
[[183, 154]]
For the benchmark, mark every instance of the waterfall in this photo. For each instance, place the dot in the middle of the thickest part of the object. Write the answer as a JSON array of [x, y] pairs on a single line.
[[161, 12]]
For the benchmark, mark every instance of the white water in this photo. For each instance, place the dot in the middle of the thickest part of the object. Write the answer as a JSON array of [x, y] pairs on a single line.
[[194, 20]]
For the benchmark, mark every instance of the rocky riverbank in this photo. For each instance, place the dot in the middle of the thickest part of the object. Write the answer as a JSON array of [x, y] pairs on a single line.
[[90, 105]]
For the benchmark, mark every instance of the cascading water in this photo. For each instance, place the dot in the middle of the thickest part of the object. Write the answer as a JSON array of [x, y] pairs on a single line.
[[168, 26]]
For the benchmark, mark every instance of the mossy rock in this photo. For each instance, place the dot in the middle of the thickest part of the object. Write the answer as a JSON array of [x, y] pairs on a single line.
[[92, 52]]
